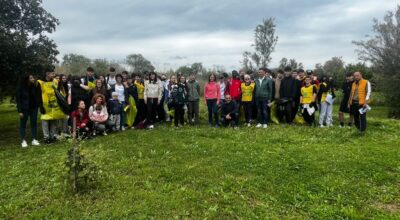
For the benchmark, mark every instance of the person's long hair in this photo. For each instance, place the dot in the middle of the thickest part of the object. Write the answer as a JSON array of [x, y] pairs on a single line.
[[155, 78], [209, 77], [95, 98]]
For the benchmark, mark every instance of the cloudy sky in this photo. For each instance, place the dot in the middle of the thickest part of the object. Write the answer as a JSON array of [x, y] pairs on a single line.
[[215, 32]]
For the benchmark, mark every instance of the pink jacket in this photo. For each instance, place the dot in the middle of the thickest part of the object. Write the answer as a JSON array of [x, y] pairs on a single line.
[[212, 91]]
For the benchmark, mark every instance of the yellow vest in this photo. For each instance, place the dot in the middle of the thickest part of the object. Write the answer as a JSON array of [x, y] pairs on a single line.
[[140, 90], [362, 91], [50, 105], [307, 94], [247, 92], [323, 97]]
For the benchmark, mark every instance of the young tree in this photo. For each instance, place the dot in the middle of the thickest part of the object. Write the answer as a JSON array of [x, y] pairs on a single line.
[[24, 45], [383, 52], [335, 68], [264, 43], [75, 64], [138, 63]]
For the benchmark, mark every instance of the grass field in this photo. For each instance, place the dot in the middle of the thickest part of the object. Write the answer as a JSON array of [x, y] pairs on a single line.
[[283, 172]]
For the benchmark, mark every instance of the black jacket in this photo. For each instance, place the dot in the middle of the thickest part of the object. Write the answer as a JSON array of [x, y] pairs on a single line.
[[131, 90], [229, 108], [288, 89], [27, 98]]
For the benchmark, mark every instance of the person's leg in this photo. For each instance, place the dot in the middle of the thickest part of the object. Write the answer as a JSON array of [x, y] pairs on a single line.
[[235, 118], [165, 107], [356, 113], [45, 129], [190, 106], [329, 112], [322, 113], [215, 111], [263, 112], [149, 111], [210, 111], [246, 111], [176, 115], [288, 112], [341, 118], [351, 119], [182, 115], [196, 109], [363, 122], [117, 120], [53, 128], [33, 121], [22, 125]]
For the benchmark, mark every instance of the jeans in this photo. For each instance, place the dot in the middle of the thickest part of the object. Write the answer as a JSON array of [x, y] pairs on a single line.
[[141, 114], [262, 110], [360, 120], [234, 119], [32, 115], [193, 111], [49, 128], [116, 120], [325, 114], [248, 111], [179, 114], [212, 110], [152, 104]]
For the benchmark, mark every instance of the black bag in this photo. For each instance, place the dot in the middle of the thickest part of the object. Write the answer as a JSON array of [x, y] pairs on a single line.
[[62, 101]]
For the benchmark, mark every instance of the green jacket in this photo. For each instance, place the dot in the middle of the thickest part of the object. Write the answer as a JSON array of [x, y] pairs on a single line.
[[263, 90], [193, 90]]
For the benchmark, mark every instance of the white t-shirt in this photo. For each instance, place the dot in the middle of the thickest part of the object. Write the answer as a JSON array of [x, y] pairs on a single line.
[[120, 89]]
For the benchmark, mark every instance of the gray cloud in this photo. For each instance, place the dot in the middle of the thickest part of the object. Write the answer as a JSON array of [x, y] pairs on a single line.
[[212, 32]]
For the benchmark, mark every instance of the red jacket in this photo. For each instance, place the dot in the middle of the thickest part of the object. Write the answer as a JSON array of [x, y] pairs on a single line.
[[234, 88], [80, 120]]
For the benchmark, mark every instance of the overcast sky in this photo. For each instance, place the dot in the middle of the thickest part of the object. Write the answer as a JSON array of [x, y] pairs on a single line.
[[171, 33]]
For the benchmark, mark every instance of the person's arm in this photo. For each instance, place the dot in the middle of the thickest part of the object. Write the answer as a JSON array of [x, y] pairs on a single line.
[[160, 91], [18, 98], [91, 113], [198, 88], [314, 94], [40, 98], [205, 92], [269, 81], [105, 113], [368, 93], [85, 119], [146, 87], [218, 93], [135, 94], [83, 86]]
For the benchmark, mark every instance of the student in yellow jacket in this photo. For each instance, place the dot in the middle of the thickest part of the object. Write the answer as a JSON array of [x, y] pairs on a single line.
[[247, 88], [49, 108], [307, 101], [359, 98]]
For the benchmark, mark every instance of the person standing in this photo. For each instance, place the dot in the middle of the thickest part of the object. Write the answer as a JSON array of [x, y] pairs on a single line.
[[49, 108], [193, 89], [212, 96], [307, 101], [27, 106], [359, 98], [141, 106], [288, 94], [119, 88], [179, 97], [263, 96], [247, 88], [346, 89], [233, 87], [326, 95], [153, 90]]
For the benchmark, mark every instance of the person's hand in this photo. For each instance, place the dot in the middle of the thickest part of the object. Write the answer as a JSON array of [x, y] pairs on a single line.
[[83, 125], [42, 110], [158, 102], [21, 115], [228, 117], [145, 101]]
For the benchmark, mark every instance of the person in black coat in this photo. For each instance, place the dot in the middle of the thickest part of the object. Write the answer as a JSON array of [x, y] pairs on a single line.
[[27, 98], [288, 94], [229, 112]]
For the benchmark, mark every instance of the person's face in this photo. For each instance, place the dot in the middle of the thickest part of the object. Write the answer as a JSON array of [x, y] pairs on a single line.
[[31, 79], [192, 77], [294, 75], [357, 76], [288, 74], [137, 78], [82, 105], [57, 77], [163, 77], [242, 73], [280, 76], [64, 79], [99, 100], [308, 81], [152, 77], [51, 75], [247, 79], [102, 78], [90, 74], [98, 112], [228, 98], [173, 79], [349, 78], [119, 79], [261, 73], [115, 97], [124, 76], [99, 83], [212, 78], [182, 79], [129, 80], [301, 75]]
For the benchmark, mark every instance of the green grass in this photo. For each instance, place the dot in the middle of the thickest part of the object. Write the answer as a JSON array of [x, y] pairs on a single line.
[[283, 172]]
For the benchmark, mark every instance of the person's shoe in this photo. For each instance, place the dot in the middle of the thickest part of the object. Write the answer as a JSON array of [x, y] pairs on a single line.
[[150, 127], [35, 142], [210, 125], [330, 125], [94, 133], [24, 144], [341, 126], [104, 133], [265, 126], [248, 124], [216, 126], [133, 127], [258, 125], [123, 128], [321, 126], [236, 127], [47, 141]]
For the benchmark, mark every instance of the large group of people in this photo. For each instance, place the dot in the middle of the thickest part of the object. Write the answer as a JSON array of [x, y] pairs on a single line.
[[95, 105]]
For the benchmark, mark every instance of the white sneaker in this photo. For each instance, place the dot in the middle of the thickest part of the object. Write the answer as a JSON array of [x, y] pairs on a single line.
[[24, 144], [104, 133], [258, 125], [35, 142], [248, 124], [265, 126], [123, 128], [151, 126], [340, 126], [322, 126]]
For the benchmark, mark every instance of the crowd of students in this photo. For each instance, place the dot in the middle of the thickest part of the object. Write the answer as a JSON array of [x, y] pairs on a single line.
[[100, 104]]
